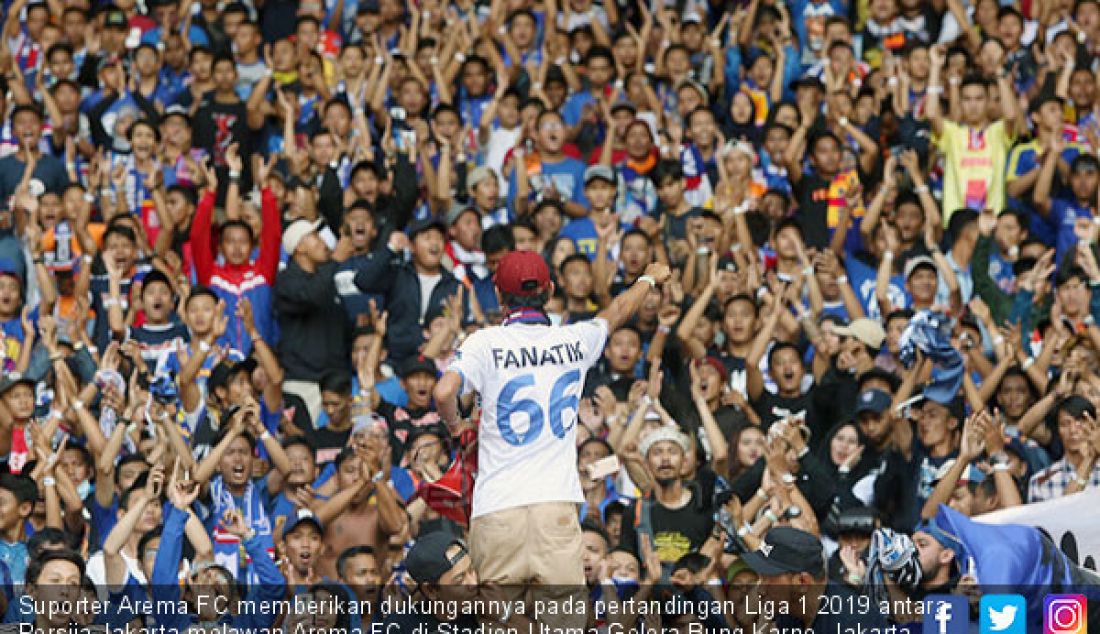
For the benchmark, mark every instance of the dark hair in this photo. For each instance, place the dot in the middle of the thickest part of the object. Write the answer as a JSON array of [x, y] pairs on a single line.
[[119, 230], [974, 79], [901, 313], [511, 300], [519, 13], [201, 291], [149, 536], [38, 564], [589, 526], [21, 486], [638, 232], [742, 297], [576, 257], [1067, 274], [693, 562], [336, 381], [446, 107], [347, 554], [960, 220], [600, 51], [238, 223], [780, 346], [299, 440], [302, 19], [127, 459], [1074, 405], [345, 454], [59, 46], [667, 169], [186, 191], [37, 543], [497, 238], [85, 455], [224, 57], [249, 438]]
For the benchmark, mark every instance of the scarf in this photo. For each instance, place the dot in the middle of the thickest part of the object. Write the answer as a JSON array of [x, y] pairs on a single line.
[[228, 549]]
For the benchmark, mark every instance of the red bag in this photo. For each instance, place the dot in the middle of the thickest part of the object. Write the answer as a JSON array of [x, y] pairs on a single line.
[[452, 494]]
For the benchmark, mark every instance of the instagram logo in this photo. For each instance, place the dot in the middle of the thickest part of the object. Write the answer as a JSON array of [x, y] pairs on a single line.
[[1065, 614]]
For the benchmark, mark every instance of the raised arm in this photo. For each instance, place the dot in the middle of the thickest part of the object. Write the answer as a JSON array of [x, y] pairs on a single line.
[[628, 302]]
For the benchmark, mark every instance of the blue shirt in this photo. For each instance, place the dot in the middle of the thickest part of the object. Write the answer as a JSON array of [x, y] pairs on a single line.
[[566, 174], [1064, 213], [582, 231], [14, 555]]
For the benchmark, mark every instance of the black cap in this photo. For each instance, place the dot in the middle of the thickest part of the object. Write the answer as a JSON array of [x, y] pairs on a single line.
[[11, 379], [224, 371], [873, 400], [785, 549], [427, 560], [418, 226], [419, 363], [115, 18]]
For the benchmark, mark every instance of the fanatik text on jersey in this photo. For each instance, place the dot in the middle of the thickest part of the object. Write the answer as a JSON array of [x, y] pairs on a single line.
[[531, 356]]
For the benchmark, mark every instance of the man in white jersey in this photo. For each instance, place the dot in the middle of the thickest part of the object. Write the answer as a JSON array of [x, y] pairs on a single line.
[[530, 375]]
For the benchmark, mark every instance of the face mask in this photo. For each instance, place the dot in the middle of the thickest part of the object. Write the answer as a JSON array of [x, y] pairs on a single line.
[[83, 489], [555, 318]]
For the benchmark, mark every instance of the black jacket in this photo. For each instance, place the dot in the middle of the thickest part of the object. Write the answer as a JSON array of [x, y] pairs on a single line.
[[398, 282], [312, 324], [392, 212]]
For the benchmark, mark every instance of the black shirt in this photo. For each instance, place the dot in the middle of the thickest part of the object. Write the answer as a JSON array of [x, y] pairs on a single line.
[[676, 532], [403, 422], [325, 441], [224, 124], [812, 193]]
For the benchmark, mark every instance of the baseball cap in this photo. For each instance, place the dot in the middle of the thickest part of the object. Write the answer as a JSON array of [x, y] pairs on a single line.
[[427, 560], [919, 261], [522, 273], [456, 211], [866, 330], [419, 363], [296, 232], [479, 173], [8, 267], [875, 401], [602, 172], [785, 549], [947, 540], [11, 379], [717, 364], [176, 110], [226, 370], [302, 516], [667, 433], [419, 226], [115, 18]]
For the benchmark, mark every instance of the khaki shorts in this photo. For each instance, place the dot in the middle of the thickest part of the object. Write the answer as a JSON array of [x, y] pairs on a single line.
[[534, 553]]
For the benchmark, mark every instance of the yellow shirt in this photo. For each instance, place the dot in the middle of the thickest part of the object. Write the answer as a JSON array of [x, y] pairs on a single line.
[[974, 163]]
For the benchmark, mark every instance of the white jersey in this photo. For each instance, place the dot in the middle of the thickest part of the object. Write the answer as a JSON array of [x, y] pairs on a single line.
[[530, 378]]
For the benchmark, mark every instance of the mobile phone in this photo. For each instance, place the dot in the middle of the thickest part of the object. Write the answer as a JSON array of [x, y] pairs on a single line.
[[398, 127], [604, 467]]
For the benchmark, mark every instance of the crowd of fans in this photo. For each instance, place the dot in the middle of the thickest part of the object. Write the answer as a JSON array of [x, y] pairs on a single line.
[[241, 241]]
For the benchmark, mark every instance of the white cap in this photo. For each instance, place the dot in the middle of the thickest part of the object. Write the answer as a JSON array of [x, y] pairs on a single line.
[[669, 433], [296, 232]]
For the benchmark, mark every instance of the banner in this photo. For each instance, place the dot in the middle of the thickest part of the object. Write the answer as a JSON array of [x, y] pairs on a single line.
[[1070, 521]]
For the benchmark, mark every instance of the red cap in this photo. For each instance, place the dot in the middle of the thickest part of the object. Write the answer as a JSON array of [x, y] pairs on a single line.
[[522, 273]]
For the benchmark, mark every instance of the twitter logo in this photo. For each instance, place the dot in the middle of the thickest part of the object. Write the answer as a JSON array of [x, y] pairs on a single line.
[[1003, 614]]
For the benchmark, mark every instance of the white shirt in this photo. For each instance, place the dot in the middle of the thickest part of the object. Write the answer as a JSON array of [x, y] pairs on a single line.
[[530, 378], [427, 285]]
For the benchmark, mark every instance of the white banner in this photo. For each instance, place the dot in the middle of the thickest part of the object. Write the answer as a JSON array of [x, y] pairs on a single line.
[[1072, 522]]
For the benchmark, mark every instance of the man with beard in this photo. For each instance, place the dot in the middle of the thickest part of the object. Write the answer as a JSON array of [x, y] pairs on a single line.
[[675, 519]]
